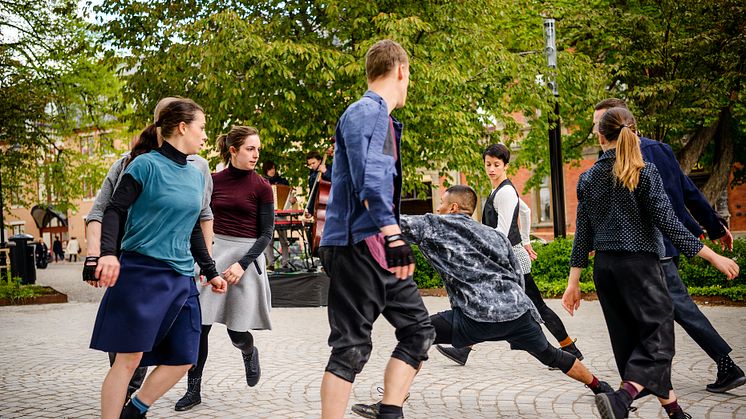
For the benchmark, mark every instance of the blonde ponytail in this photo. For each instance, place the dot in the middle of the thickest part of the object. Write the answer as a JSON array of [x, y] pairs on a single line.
[[618, 124], [628, 159]]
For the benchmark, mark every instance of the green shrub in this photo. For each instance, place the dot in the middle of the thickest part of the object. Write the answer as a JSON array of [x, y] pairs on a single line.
[[552, 267], [424, 274], [14, 291], [697, 272]]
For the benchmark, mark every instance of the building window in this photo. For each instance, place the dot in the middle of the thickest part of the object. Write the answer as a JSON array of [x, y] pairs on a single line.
[[17, 227], [543, 202]]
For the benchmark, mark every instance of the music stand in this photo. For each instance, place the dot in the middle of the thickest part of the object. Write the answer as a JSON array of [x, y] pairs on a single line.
[[292, 220]]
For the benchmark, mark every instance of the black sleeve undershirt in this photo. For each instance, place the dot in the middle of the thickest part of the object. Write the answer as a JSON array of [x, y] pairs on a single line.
[[266, 226], [200, 253]]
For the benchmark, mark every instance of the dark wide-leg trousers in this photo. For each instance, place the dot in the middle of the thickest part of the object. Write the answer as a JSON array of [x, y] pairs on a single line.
[[639, 315], [689, 317]]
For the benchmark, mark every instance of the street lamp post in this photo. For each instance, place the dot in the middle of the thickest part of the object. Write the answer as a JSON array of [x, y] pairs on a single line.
[[555, 138]]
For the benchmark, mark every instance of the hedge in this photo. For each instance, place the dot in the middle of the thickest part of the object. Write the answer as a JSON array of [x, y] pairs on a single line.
[[551, 268]]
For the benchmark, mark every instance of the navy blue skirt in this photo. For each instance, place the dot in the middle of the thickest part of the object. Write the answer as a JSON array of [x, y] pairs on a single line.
[[151, 309]]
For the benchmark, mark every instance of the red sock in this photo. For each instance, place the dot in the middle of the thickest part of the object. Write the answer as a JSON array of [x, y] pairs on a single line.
[[629, 388], [672, 407], [593, 383]]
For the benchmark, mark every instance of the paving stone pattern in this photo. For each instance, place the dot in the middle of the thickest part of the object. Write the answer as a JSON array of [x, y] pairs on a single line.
[[48, 371]]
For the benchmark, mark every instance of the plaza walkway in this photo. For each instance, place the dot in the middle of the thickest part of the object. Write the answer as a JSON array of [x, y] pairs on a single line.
[[47, 370]]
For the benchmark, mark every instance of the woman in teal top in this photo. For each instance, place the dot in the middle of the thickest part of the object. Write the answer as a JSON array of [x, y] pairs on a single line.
[[150, 313]]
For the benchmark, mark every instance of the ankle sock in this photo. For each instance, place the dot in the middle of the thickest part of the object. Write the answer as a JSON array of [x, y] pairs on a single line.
[[566, 342], [391, 409], [725, 364], [593, 384], [672, 407], [630, 389], [142, 407]]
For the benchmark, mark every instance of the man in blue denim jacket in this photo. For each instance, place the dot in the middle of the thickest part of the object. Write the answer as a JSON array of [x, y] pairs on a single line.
[[362, 250], [688, 204]]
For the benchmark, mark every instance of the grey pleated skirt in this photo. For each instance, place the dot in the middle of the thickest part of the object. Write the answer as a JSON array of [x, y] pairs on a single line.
[[246, 305]]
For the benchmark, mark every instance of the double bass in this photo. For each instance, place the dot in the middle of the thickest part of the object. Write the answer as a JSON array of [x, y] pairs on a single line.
[[323, 187]]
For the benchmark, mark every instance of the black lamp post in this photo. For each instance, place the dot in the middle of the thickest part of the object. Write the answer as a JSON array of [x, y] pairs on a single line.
[[555, 138], [15, 147]]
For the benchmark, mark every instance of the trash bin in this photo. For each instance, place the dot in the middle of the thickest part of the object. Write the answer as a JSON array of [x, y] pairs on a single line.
[[22, 258]]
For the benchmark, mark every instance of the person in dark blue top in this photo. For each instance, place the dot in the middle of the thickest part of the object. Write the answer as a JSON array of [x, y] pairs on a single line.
[[149, 314], [362, 250], [622, 210], [689, 204]]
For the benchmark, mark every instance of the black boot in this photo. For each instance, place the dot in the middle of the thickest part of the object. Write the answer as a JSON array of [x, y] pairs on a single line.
[[129, 411], [251, 365], [192, 396], [457, 355], [729, 377]]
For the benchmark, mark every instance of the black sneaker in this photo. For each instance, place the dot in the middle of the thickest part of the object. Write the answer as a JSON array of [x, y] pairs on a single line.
[[456, 355], [192, 396], [727, 380], [366, 410], [251, 365], [371, 410], [129, 411], [573, 350], [603, 387], [679, 414], [614, 405]]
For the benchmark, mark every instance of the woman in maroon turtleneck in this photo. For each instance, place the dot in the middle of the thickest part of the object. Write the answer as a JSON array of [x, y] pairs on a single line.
[[243, 207]]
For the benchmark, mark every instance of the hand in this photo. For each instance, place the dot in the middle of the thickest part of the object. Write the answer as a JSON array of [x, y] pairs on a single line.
[[322, 168], [107, 271], [571, 298], [219, 285], [531, 253], [400, 259], [727, 266], [726, 242], [233, 274]]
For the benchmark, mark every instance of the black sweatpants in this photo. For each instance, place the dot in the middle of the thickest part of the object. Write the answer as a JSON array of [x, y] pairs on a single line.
[[639, 315], [359, 291]]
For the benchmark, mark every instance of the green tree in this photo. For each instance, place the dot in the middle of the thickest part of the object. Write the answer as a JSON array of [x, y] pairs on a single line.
[[682, 67], [291, 67], [52, 87]]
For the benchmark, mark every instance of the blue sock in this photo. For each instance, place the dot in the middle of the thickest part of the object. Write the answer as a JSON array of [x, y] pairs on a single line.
[[142, 407]]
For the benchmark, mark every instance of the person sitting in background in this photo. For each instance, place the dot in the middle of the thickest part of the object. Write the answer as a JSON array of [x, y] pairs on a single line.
[[316, 166], [270, 173]]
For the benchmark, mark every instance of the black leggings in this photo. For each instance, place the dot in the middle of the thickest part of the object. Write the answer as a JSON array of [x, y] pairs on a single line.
[[244, 341], [551, 319], [549, 356]]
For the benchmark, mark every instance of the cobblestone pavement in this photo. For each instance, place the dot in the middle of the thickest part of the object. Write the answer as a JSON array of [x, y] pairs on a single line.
[[47, 370]]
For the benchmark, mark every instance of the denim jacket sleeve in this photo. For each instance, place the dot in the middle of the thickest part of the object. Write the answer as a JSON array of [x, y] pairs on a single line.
[[364, 129]]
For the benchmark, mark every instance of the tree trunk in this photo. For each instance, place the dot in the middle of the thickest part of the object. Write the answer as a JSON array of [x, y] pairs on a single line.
[[720, 175], [689, 155]]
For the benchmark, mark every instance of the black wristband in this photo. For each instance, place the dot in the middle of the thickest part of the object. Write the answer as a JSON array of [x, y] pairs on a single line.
[[89, 268], [393, 237]]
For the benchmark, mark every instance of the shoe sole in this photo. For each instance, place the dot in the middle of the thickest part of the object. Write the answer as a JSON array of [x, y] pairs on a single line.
[[187, 407], [737, 383], [604, 406], [363, 411], [447, 355]]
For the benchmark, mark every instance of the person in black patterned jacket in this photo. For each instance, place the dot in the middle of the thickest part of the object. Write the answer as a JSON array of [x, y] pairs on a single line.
[[622, 210], [485, 286]]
